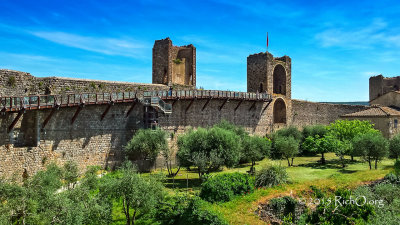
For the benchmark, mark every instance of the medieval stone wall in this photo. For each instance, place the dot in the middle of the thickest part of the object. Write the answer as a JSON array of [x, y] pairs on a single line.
[[88, 141], [16, 83], [310, 113]]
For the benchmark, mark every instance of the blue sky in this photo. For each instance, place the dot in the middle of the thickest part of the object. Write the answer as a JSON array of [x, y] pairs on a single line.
[[335, 46]]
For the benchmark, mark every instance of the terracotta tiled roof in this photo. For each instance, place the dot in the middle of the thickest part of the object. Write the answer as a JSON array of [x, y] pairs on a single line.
[[375, 111]]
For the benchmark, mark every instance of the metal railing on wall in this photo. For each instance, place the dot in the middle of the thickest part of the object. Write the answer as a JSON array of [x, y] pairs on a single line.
[[65, 100]]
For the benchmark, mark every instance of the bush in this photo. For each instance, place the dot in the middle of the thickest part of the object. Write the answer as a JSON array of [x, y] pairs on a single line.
[[392, 178], [224, 187], [271, 176], [283, 207], [254, 149], [394, 147], [182, 210], [329, 213], [312, 131]]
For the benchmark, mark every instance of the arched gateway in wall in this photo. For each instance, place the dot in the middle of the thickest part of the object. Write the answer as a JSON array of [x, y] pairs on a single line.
[[279, 111], [279, 80]]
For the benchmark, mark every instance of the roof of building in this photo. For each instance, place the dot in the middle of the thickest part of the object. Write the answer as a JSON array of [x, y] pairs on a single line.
[[375, 111]]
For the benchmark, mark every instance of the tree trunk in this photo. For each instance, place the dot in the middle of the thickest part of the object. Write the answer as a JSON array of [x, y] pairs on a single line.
[[292, 161], [288, 161], [134, 218], [376, 164], [128, 217], [369, 162], [252, 166], [352, 158], [342, 161], [322, 158]]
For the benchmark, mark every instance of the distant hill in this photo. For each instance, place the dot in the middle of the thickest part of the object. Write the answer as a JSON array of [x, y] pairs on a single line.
[[349, 103]]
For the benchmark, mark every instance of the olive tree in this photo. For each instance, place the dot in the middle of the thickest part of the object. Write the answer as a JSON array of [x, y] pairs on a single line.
[[208, 149], [371, 147], [394, 147], [287, 147], [137, 193], [146, 144], [254, 149]]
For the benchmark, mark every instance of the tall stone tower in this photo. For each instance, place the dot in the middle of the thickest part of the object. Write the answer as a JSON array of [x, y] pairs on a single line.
[[266, 73], [173, 64]]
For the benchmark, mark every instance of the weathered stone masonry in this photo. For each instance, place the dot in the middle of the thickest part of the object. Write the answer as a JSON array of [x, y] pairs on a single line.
[[92, 141]]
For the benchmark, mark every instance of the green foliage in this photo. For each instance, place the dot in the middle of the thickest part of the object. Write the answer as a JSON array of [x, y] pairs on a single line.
[[331, 212], [290, 131], [284, 208], [40, 201], [346, 130], [371, 146], [208, 149], [138, 194], [321, 145], [70, 173], [226, 125], [177, 61], [397, 167], [392, 178], [12, 81], [184, 210], [224, 187], [254, 148], [271, 176], [146, 144], [312, 131], [286, 147], [394, 147]]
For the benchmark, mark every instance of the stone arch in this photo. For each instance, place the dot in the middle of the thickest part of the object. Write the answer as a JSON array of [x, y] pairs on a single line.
[[279, 111], [279, 80]]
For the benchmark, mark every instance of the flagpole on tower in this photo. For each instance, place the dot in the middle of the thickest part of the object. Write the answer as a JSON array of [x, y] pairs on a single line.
[[267, 41]]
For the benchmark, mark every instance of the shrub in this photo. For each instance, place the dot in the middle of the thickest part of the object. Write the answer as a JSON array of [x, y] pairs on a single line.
[[397, 167], [283, 207], [311, 131], [392, 178], [224, 187], [182, 210], [271, 176], [329, 213], [394, 147]]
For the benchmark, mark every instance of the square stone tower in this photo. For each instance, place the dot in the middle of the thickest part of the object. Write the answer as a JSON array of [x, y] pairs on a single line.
[[173, 64], [268, 73]]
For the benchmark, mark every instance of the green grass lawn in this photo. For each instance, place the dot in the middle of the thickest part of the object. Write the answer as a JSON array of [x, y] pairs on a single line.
[[306, 171]]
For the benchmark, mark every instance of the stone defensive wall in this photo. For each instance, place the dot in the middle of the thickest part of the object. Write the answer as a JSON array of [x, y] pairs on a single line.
[[310, 113], [16, 83]]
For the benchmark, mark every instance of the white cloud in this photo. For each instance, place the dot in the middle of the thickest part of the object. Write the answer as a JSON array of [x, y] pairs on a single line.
[[359, 37], [108, 46]]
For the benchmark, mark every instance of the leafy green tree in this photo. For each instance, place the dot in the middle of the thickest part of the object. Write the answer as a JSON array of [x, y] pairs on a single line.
[[311, 131], [320, 145], [346, 130], [287, 147], [138, 194], [254, 149], [394, 147], [146, 144], [208, 149], [371, 146]]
